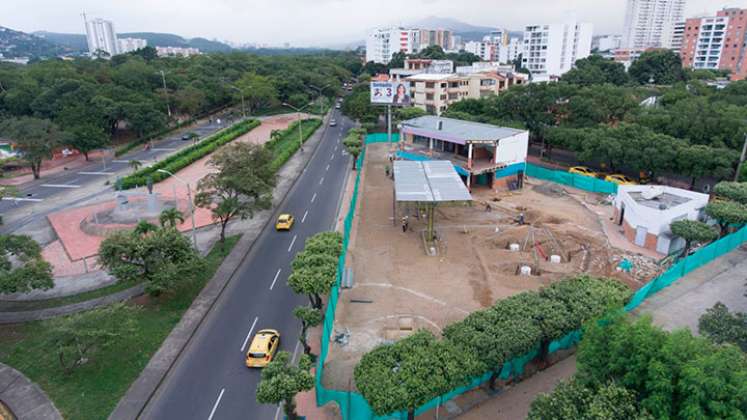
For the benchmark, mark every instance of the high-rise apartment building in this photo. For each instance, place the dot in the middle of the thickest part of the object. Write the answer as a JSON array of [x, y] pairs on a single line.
[[717, 42], [131, 44], [552, 50], [444, 38], [651, 23], [382, 44], [101, 36]]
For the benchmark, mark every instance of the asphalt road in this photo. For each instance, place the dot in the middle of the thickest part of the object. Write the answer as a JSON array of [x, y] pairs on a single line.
[[209, 380], [60, 183]]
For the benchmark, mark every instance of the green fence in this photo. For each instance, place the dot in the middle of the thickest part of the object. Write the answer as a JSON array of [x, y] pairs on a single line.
[[352, 404], [381, 138], [581, 182]]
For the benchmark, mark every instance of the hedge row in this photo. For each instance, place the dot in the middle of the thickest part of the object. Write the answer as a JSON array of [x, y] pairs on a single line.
[[286, 143], [515, 328], [187, 156]]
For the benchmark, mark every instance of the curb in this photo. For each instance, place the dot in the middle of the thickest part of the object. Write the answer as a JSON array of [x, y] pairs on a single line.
[[142, 390], [25, 399], [40, 314]]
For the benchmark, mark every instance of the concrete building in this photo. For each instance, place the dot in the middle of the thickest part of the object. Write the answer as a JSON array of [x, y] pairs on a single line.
[[101, 36], [678, 37], [717, 42], [435, 92], [415, 66], [651, 23], [493, 48], [176, 51], [482, 154], [382, 44], [484, 50], [444, 38], [606, 43], [551, 50], [131, 44], [645, 212]]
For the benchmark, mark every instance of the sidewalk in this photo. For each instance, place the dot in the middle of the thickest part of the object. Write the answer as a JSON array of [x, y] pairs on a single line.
[[24, 398]]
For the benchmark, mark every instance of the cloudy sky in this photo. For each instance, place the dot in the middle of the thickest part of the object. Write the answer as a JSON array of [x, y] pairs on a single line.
[[309, 22]]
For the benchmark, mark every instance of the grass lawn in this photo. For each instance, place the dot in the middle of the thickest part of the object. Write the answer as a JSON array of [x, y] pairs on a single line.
[[93, 390], [31, 305]]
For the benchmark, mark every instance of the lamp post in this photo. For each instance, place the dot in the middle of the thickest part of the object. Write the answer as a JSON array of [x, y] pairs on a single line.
[[298, 110], [165, 92], [320, 89], [241, 92], [191, 206]]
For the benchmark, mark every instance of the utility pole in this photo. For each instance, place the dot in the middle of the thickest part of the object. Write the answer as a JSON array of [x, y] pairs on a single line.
[[320, 89], [165, 92], [389, 123], [741, 158]]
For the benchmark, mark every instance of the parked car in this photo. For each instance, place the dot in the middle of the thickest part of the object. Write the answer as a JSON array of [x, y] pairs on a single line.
[[583, 170], [620, 179], [263, 348]]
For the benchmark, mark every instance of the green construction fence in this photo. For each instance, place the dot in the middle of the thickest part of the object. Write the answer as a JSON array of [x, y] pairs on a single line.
[[352, 404]]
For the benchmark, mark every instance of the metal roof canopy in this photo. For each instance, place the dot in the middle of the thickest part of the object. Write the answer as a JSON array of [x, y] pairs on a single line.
[[433, 181]]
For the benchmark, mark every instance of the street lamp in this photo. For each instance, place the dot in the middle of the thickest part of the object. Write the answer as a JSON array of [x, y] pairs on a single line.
[[241, 93], [320, 89], [165, 92], [299, 110], [189, 197]]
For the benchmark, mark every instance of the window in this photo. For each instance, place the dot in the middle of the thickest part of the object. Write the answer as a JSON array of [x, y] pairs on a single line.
[[429, 85], [428, 96]]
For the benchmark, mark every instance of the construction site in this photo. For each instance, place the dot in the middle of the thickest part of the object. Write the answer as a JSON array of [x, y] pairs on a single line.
[[493, 246]]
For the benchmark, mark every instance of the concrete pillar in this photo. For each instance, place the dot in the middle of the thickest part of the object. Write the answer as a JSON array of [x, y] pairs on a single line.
[[495, 155], [469, 181], [469, 156]]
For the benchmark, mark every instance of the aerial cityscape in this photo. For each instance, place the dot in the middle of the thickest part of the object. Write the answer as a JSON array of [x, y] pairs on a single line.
[[334, 210]]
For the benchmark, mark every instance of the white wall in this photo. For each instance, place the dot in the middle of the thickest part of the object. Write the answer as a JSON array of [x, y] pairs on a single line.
[[513, 149], [654, 220]]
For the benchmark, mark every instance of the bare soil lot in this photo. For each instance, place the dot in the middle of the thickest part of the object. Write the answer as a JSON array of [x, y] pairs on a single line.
[[398, 288]]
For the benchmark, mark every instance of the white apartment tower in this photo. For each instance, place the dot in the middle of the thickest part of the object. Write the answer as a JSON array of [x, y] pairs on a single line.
[[382, 44], [651, 23], [552, 50], [101, 36]]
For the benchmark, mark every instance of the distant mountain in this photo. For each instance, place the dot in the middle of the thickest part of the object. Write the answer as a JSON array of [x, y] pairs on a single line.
[[14, 44], [467, 31], [78, 42]]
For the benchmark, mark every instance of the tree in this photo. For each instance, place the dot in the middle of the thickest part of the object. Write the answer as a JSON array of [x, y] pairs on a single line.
[[407, 374], [258, 91], [22, 267], [727, 213], [353, 143], [572, 400], [721, 326], [87, 137], [35, 138], [596, 70], [281, 381], [699, 160], [734, 191], [143, 117], [78, 338], [407, 113], [433, 52], [241, 185], [692, 231], [398, 60], [309, 317], [170, 217], [135, 165], [163, 258], [6, 191], [144, 227], [313, 275], [662, 67]]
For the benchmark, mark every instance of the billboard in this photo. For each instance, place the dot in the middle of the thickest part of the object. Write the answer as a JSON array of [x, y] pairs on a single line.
[[391, 93]]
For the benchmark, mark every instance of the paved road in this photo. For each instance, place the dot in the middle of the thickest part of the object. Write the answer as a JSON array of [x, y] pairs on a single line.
[[209, 380], [60, 183]]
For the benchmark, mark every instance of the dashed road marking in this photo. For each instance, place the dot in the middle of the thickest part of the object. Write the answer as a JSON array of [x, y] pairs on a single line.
[[33, 200], [275, 279], [215, 406], [292, 242], [96, 173], [313, 197], [303, 219], [327, 168], [246, 340], [60, 186], [321, 181]]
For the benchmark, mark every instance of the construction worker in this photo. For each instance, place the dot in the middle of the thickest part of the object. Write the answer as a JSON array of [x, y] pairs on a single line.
[[521, 219], [404, 223]]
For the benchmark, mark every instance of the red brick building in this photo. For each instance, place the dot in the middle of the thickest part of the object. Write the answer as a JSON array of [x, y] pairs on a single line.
[[717, 42]]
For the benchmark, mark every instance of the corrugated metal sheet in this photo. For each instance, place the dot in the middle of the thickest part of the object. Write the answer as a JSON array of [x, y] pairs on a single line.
[[432, 181]]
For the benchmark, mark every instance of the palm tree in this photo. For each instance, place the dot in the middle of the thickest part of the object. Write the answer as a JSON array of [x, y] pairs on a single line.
[[135, 165], [144, 227], [170, 216]]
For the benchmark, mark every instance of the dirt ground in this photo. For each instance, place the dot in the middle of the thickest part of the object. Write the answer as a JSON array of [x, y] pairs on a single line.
[[398, 288]]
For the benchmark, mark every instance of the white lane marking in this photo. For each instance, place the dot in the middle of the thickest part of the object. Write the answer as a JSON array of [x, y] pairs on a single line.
[[292, 242], [275, 279], [321, 181], [295, 352], [215, 407], [303, 219], [120, 161], [246, 340], [33, 200], [327, 168], [332, 156], [96, 173], [335, 148], [163, 149], [60, 186], [277, 412], [313, 198]]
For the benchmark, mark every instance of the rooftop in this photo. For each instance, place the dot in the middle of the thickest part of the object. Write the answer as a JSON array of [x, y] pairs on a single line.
[[432, 181], [459, 129], [662, 197], [432, 76]]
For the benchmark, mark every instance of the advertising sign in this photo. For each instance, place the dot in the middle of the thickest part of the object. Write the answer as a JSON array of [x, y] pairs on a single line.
[[391, 93]]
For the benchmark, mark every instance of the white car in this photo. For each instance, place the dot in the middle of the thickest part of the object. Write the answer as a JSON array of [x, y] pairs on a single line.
[[332, 123]]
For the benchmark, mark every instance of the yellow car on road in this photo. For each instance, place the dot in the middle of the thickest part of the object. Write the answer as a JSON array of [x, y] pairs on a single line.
[[620, 179], [285, 222], [263, 348], [583, 170]]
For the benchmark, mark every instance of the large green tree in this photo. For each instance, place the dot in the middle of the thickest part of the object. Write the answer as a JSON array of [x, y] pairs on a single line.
[[242, 183], [693, 232], [727, 213], [258, 91], [722, 326], [22, 267], [281, 381], [573, 401], [35, 138], [661, 67], [309, 317], [596, 70]]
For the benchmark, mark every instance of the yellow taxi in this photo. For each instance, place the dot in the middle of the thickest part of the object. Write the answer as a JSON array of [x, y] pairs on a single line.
[[583, 170], [620, 179], [285, 222], [263, 348]]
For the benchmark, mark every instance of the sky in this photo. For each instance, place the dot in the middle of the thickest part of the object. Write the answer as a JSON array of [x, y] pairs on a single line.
[[310, 22]]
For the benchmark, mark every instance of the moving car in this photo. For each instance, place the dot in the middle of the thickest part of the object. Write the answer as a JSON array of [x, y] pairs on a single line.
[[620, 179], [338, 106], [189, 136], [285, 222], [583, 170], [332, 123], [263, 348]]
